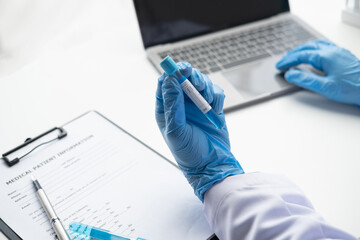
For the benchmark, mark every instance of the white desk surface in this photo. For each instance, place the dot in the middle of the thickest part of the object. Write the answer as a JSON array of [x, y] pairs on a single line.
[[59, 59]]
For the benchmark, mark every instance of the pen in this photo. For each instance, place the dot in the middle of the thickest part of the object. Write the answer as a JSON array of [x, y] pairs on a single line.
[[54, 219], [97, 233]]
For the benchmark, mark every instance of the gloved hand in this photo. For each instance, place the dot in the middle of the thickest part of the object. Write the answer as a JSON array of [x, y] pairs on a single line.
[[201, 151], [342, 70]]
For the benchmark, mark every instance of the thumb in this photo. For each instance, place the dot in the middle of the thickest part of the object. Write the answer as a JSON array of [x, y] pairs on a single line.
[[174, 107], [307, 80]]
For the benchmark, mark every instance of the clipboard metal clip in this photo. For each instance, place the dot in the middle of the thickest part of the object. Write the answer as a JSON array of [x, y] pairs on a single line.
[[62, 134]]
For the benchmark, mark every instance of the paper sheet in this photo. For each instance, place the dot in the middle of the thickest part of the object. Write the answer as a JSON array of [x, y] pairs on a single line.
[[99, 175]]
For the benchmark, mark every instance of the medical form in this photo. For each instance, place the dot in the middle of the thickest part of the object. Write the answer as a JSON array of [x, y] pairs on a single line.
[[101, 176]]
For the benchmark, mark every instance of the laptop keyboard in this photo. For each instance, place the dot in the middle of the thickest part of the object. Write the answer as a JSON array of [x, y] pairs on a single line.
[[237, 48]]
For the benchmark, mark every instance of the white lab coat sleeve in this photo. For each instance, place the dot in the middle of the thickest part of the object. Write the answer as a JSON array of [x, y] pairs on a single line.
[[264, 206]]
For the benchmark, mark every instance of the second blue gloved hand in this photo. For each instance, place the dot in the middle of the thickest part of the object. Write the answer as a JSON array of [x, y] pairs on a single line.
[[201, 151], [342, 70]]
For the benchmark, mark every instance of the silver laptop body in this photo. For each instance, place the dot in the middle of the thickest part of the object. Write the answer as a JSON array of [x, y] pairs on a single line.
[[241, 59]]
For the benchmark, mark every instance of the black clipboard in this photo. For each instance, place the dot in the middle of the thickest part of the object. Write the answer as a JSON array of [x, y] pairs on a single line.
[[4, 228], [12, 161], [7, 232]]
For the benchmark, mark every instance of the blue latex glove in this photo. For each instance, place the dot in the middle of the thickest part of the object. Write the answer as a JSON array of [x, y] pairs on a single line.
[[342, 70], [201, 151]]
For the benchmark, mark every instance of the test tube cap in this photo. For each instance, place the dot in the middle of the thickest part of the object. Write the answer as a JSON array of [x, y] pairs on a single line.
[[169, 65]]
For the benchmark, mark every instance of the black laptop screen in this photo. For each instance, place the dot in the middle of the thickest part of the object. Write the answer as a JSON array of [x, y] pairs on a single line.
[[163, 21]]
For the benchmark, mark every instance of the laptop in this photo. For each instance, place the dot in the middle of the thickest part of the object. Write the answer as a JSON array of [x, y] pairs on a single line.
[[235, 42]]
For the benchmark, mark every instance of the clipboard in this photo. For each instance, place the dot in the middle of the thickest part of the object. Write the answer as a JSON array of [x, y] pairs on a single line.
[[61, 133], [11, 162], [7, 233]]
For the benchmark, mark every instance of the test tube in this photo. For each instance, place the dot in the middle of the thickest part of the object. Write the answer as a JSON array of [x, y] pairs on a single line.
[[172, 69]]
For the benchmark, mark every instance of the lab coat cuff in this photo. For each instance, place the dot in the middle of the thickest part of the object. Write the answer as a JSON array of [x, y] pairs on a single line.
[[216, 195]]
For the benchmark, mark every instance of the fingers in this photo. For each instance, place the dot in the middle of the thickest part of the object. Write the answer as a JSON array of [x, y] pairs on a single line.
[[312, 45], [203, 84], [185, 68], [173, 102], [293, 59], [208, 92], [219, 98], [213, 94], [325, 42], [198, 80], [159, 106], [307, 80], [305, 53]]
